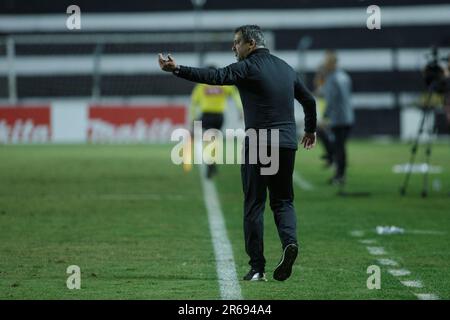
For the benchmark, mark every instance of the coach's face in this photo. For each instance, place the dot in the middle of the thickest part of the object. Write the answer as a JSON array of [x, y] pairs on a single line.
[[241, 48]]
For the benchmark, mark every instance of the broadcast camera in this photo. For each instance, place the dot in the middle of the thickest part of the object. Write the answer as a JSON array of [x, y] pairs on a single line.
[[437, 82], [434, 74]]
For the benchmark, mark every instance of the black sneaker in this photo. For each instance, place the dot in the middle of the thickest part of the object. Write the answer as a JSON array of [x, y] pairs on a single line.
[[284, 268], [254, 275]]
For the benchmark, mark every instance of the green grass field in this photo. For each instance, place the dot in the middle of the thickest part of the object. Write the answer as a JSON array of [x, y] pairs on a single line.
[[137, 226]]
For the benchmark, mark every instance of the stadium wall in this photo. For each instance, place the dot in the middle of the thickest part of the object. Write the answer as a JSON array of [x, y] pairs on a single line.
[[83, 122], [385, 65]]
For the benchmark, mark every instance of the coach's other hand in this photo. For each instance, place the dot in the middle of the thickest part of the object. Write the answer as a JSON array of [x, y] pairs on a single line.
[[168, 65], [309, 140]]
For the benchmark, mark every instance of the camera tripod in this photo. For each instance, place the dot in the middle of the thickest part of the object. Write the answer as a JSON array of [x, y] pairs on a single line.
[[428, 112]]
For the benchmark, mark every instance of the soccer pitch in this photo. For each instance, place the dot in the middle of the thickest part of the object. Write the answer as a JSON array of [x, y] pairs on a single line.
[[137, 226]]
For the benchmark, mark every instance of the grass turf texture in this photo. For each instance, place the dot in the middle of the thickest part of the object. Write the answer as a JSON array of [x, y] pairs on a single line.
[[137, 226]]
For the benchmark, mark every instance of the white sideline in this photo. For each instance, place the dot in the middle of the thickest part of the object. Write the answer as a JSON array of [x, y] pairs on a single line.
[[357, 233], [412, 283], [225, 266], [399, 272], [377, 251], [387, 262], [426, 296], [368, 241]]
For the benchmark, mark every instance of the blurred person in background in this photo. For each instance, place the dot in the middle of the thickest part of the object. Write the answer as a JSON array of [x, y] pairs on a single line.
[[447, 92], [323, 132], [208, 104], [268, 87], [337, 91]]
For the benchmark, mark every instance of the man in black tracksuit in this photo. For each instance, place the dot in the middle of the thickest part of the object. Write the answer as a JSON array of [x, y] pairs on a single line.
[[268, 87]]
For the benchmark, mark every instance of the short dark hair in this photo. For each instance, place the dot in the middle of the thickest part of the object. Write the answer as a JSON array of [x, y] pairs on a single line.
[[252, 32]]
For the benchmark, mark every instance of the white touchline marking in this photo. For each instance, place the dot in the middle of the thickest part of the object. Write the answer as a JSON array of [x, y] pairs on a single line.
[[301, 182], [376, 251], [225, 266], [399, 272], [368, 241], [426, 296], [412, 283], [387, 262], [357, 233], [390, 262]]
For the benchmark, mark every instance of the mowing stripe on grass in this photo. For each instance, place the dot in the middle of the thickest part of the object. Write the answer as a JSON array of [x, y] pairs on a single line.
[[301, 182], [225, 266], [427, 232], [136, 197]]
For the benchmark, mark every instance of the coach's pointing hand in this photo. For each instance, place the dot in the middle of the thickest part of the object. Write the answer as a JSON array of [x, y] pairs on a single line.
[[168, 65]]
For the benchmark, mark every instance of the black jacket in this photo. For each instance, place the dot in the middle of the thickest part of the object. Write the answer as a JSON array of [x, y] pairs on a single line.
[[267, 86]]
